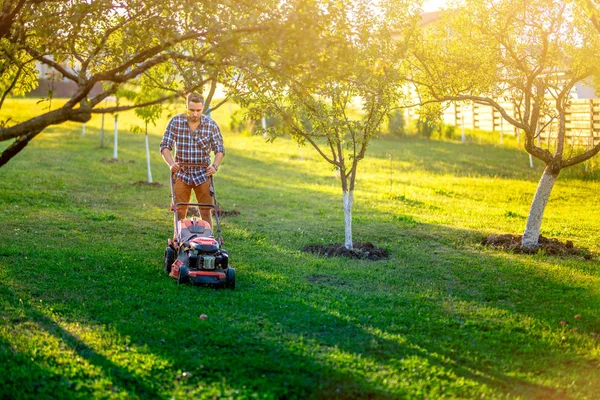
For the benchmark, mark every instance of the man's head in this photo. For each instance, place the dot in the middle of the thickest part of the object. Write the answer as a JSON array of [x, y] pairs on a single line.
[[195, 106]]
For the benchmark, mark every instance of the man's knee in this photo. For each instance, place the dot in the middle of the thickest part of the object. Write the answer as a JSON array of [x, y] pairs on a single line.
[[206, 215]]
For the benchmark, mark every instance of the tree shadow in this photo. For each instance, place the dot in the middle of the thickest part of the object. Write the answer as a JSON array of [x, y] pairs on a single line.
[[31, 375]]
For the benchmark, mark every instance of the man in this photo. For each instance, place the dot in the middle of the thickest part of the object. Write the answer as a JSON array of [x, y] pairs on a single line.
[[194, 136]]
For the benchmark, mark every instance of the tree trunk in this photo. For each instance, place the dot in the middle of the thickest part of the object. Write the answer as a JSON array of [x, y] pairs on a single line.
[[102, 133], [19, 144], [536, 212], [348, 200], [116, 138], [148, 157]]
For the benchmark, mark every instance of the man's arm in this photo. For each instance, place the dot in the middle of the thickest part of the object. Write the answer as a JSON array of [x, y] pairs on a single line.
[[168, 157], [218, 148]]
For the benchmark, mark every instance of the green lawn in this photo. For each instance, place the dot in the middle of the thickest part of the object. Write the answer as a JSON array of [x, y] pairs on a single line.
[[86, 311]]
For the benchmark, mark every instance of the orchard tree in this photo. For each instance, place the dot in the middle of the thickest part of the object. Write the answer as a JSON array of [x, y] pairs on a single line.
[[336, 101], [530, 53], [109, 44]]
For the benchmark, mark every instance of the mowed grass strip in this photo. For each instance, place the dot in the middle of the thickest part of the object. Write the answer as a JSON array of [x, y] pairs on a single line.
[[87, 312]]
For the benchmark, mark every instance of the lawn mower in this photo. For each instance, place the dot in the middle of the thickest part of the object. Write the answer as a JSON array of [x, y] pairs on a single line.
[[194, 254]]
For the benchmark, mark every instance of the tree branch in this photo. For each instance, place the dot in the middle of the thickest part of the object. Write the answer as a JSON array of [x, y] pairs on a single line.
[[581, 157], [110, 110], [12, 85], [40, 122], [19, 144], [52, 64]]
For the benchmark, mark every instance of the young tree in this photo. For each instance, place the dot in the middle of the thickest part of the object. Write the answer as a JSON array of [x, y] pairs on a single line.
[[528, 52], [106, 44], [336, 102], [149, 115]]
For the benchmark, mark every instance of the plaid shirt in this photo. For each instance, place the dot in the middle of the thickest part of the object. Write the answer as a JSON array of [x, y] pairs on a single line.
[[192, 147]]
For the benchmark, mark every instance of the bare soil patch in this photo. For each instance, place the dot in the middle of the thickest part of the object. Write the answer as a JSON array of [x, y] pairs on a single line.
[[552, 247], [362, 251], [193, 211], [116, 160], [229, 213], [144, 183]]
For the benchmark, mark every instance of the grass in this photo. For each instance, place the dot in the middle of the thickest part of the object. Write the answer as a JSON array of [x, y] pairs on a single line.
[[87, 312]]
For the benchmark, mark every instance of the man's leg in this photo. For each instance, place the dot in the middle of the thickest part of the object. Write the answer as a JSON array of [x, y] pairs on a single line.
[[203, 196], [183, 191]]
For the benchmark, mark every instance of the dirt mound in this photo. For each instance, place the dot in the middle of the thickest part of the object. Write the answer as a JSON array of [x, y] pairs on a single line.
[[552, 247], [363, 251], [193, 211], [229, 213], [144, 183], [115, 160]]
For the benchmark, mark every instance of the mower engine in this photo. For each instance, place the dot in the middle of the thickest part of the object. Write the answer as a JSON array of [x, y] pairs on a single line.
[[197, 257], [204, 253]]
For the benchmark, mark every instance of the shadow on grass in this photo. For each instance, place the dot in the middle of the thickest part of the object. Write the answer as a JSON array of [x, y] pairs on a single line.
[[33, 375], [388, 331], [438, 318]]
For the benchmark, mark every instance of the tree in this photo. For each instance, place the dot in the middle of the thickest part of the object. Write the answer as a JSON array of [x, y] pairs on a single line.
[[148, 114], [528, 52], [336, 101], [109, 44]]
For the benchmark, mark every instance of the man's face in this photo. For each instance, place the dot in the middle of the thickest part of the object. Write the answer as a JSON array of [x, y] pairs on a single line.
[[194, 111]]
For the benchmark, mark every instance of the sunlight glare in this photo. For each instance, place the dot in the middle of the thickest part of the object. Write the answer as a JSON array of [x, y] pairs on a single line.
[[433, 5]]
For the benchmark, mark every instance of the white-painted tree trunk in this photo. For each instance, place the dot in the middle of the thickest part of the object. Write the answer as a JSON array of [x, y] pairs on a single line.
[[463, 137], [263, 122], [536, 212], [148, 159], [102, 133], [348, 200], [530, 161], [116, 145], [83, 130]]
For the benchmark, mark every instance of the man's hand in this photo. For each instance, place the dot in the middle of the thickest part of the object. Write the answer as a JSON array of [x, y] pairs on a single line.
[[210, 170], [175, 168]]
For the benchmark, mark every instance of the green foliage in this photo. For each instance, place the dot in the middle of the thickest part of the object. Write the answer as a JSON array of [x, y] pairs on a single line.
[[239, 124], [148, 52], [337, 98], [396, 124], [425, 127], [446, 131]]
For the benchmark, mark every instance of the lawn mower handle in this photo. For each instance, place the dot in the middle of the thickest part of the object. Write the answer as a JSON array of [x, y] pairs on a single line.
[[214, 206]]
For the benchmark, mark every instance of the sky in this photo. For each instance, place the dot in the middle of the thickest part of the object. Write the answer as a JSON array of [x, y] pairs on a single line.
[[433, 5]]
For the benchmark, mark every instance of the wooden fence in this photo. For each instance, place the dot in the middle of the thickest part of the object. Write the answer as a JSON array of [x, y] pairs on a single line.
[[582, 121]]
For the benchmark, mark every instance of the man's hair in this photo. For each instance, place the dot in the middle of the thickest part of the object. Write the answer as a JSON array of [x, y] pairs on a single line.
[[195, 98]]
